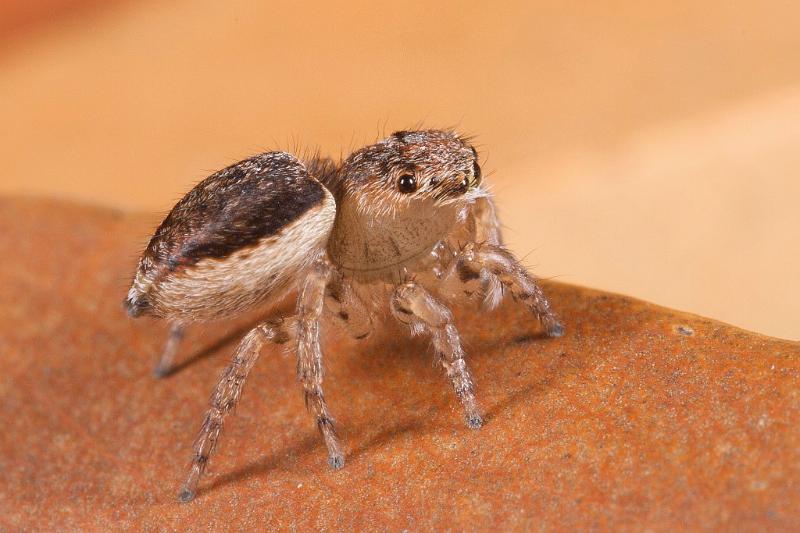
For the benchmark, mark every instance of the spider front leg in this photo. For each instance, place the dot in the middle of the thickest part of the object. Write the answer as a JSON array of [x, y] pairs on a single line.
[[416, 307], [482, 222], [174, 338], [226, 395], [309, 356], [493, 269], [347, 307]]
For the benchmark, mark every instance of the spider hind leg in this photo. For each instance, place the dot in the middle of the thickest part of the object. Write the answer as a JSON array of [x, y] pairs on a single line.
[[225, 397], [165, 363]]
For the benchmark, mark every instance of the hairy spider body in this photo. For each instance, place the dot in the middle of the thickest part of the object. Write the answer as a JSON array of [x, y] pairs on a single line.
[[403, 226]]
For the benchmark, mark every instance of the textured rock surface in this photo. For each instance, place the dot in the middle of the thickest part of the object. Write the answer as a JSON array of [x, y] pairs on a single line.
[[639, 416]]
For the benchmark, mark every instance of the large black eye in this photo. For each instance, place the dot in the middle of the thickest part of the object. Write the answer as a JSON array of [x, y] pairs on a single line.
[[407, 183]]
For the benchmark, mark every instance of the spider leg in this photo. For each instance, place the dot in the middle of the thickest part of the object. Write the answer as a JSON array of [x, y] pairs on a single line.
[[309, 357], [174, 338], [416, 307], [494, 269], [226, 395], [482, 222], [347, 308]]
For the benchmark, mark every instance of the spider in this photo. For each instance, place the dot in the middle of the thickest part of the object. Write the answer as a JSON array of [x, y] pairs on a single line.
[[403, 227]]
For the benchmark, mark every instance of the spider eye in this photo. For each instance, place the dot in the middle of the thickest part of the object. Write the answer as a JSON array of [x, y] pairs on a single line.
[[407, 183], [476, 172]]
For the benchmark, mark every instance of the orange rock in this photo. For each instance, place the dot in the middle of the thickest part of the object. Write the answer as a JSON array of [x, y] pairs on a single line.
[[640, 416]]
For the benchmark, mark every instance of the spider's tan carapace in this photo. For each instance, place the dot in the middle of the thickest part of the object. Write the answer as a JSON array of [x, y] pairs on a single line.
[[402, 228]]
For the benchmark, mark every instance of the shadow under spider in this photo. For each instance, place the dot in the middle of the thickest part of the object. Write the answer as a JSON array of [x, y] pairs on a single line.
[[217, 345], [386, 436], [528, 338], [309, 444], [312, 443], [283, 459], [282, 308]]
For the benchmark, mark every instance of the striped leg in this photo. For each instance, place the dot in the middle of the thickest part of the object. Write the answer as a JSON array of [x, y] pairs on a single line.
[[226, 395], [413, 305], [164, 367], [309, 357]]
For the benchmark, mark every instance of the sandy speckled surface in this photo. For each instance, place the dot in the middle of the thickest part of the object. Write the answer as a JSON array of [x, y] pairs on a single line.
[[639, 417]]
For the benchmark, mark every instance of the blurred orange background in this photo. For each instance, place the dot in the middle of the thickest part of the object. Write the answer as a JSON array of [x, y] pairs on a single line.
[[646, 148]]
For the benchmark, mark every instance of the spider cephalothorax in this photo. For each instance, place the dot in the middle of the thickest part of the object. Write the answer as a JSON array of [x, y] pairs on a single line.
[[410, 169], [400, 228]]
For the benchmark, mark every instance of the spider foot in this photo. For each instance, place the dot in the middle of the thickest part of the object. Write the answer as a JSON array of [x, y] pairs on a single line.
[[336, 461], [475, 421], [161, 371], [186, 495], [556, 330], [189, 488]]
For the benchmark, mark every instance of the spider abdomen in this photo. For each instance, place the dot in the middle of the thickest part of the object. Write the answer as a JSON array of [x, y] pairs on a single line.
[[237, 239]]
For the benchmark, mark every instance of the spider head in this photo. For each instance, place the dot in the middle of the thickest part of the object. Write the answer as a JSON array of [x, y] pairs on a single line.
[[413, 171]]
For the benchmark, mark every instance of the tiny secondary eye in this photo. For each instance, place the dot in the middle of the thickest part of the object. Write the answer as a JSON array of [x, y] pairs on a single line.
[[476, 171], [407, 183]]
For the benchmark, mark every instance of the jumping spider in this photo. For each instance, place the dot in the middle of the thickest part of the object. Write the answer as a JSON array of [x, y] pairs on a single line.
[[404, 220]]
